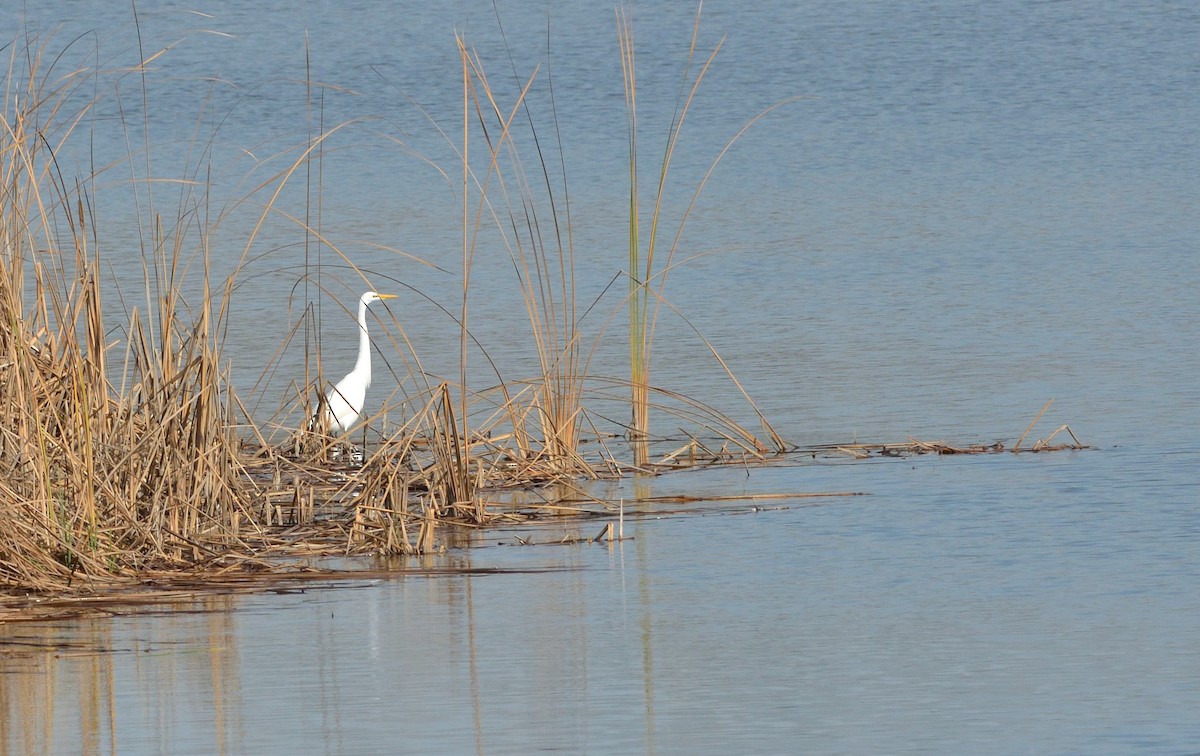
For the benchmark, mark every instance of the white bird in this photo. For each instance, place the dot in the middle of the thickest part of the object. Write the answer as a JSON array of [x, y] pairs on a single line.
[[344, 400]]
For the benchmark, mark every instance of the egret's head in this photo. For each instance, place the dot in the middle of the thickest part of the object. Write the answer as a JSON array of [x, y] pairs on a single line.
[[372, 296]]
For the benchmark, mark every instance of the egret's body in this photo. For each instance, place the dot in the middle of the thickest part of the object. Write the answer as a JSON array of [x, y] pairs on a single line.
[[344, 401]]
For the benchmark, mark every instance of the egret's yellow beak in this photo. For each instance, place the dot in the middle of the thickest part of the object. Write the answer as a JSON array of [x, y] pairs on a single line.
[[387, 296]]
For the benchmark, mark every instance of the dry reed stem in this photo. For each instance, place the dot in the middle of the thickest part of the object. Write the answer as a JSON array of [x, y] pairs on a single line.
[[1034, 422]]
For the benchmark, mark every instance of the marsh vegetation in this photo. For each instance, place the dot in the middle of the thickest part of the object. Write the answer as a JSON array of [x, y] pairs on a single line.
[[125, 448]]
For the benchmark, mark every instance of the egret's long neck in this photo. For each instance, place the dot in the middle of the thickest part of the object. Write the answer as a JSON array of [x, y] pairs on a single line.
[[363, 365]]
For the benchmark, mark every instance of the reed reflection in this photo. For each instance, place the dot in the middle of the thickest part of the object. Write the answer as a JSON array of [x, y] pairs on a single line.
[[73, 687]]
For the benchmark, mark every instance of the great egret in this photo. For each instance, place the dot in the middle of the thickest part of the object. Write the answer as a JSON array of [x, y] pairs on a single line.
[[344, 401]]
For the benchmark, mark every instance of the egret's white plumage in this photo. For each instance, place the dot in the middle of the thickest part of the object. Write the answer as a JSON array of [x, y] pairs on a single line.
[[344, 400]]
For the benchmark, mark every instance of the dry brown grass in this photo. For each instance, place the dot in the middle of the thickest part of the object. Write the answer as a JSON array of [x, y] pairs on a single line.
[[97, 482]]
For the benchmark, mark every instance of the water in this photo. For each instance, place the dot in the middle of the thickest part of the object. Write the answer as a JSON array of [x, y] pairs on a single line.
[[973, 210]]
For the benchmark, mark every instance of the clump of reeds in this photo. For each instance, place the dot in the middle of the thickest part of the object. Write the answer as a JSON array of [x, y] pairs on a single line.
[[96, 482], [459, 444], [650, 261], [120, 455], [534, 225]]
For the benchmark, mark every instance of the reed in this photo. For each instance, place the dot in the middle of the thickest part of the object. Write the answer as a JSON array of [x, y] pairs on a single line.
[[533, 221], [643, 271], [649, 262]]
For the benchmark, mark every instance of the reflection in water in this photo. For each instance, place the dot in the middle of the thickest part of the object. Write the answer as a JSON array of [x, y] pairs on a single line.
[[223, 665], [476, 705], [642, 490], [647, 637], [66, 684]]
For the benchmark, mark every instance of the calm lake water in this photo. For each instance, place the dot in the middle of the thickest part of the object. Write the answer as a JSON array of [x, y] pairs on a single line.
[[971, 209]]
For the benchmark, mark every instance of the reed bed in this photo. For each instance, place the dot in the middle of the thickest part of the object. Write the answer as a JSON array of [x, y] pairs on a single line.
[[127, 457]]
